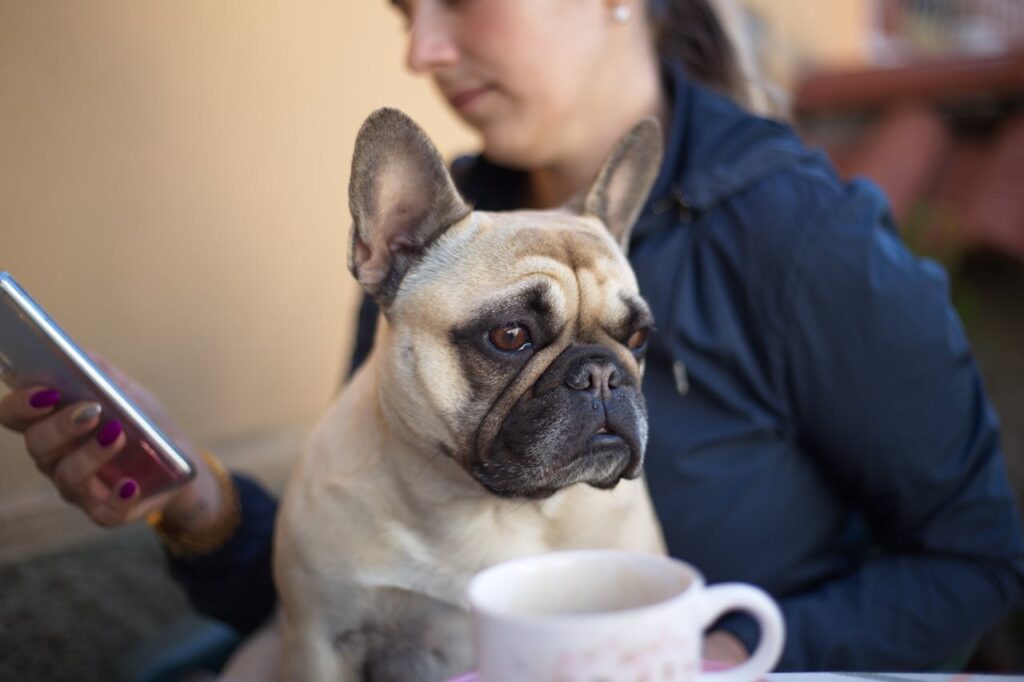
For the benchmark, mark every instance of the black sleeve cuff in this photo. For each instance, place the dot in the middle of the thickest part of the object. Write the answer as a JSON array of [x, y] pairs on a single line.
[[235, 583]]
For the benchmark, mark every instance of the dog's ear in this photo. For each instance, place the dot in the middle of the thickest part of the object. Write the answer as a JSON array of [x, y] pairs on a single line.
[[621, 188], [401, 197]]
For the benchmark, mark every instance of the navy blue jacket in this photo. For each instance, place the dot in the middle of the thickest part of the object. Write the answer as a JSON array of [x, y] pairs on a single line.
[[817, 422]]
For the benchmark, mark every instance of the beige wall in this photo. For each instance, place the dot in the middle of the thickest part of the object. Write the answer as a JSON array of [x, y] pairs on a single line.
[[173, 189], [799, 34]]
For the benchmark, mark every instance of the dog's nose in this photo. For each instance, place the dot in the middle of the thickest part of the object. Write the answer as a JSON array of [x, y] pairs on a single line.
[[597, 376]]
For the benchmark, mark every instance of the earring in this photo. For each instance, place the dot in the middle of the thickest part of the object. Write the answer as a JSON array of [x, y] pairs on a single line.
[[621, 13]]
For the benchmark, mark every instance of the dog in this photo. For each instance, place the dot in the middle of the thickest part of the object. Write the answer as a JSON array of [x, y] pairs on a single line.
[[499, 414]]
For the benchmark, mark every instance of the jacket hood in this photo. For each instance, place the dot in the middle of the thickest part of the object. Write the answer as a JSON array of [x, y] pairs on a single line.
[[715, 148]]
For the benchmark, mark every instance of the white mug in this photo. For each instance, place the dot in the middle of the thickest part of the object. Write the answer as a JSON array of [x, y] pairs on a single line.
[[608, 615]]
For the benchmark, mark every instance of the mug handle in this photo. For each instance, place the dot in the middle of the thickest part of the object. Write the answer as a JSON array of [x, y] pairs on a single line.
[[718, 599]]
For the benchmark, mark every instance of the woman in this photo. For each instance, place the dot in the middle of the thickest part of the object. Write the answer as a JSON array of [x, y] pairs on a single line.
[[818, 426]]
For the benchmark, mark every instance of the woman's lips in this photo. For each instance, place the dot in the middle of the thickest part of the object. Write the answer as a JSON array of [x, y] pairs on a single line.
[[465, 99]]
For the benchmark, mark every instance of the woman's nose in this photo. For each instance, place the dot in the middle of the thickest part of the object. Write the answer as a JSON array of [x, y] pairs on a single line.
[[431, 43]]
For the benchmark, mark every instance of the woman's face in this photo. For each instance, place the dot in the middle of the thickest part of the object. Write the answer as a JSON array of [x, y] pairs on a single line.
[[527, 74]]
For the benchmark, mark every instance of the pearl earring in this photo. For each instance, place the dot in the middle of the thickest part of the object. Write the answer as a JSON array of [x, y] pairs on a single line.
[[622, 13]]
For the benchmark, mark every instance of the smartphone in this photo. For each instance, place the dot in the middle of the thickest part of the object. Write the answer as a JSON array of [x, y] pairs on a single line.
[[34, 350]]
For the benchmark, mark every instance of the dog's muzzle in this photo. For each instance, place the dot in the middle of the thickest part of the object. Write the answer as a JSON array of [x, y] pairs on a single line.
[[583, 422]]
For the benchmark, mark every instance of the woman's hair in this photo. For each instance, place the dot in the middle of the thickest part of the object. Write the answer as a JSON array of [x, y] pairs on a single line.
[[709, 39]]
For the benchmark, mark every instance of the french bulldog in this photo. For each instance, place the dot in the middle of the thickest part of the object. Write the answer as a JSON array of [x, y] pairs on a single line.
[[499, 414]]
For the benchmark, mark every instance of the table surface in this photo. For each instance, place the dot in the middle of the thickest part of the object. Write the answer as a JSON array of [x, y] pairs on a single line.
[[890, 677], [864, 677]]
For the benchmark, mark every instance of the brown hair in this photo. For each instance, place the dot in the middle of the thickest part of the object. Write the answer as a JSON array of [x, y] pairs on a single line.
[[708, 39]]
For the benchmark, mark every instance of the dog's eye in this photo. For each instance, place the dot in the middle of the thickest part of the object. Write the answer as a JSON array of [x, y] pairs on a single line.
[[510, 339], [638, 340]]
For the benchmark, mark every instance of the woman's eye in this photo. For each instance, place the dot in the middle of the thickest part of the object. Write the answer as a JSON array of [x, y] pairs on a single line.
[[637, 340], [510, 339]]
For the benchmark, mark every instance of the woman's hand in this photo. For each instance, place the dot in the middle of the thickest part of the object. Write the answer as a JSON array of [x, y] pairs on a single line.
[[70, 444], [724, 647]]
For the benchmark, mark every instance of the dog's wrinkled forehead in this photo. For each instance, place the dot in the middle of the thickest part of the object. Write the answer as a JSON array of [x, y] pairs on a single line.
[[576, 241], [568, 265]]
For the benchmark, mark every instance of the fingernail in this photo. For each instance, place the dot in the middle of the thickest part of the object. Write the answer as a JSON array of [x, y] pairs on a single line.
[[44, 398], [128, 488], [86, 413], [109, 433]]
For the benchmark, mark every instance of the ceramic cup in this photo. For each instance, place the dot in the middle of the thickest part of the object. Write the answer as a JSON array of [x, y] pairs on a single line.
[[608, 615]]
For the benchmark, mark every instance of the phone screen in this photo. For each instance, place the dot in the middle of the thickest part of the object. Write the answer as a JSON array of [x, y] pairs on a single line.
[[34, 350]]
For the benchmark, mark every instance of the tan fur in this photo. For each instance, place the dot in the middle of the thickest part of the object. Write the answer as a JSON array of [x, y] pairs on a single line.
[[366, 514], [382, 525]]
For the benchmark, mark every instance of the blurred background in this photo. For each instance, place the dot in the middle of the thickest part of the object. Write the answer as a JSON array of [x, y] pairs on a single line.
[[173, 189]]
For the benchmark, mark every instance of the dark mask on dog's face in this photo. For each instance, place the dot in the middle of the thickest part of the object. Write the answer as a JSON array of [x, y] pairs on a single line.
[[515, 340]]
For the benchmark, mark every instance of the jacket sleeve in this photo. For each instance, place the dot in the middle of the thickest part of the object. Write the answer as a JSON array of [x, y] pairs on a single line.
[[888, 400], [234, 584]]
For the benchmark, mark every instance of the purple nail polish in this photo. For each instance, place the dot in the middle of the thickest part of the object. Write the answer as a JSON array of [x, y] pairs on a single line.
[[109, 433], [128, 489], [44, 398]]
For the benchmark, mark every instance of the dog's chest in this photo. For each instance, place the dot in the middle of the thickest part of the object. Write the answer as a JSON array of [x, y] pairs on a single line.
[[438, 557]]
